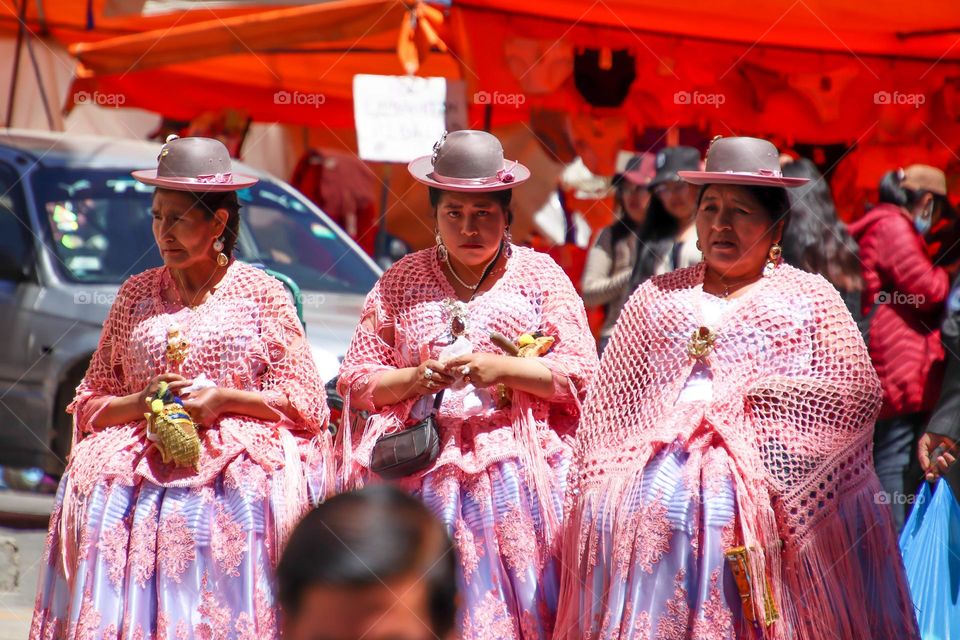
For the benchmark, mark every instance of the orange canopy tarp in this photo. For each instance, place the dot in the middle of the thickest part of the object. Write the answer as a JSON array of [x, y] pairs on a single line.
[[293, 65], [927, 29], [69, 21], [816, 71], [345, 25]]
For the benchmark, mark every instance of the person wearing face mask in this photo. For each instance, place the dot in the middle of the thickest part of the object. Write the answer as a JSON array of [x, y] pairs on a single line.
[[606, 276], [903, 296]]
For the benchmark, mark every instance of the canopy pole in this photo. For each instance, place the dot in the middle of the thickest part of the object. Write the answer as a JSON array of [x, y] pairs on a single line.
[[21, 30], [39, 77]]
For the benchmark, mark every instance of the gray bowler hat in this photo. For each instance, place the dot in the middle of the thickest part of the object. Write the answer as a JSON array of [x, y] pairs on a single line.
[[745, 161], [194, 164], [468, 160]]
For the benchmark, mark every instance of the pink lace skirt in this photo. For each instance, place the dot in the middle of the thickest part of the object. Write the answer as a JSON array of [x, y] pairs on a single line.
[[509, 578], [152, 562], [653, 565]]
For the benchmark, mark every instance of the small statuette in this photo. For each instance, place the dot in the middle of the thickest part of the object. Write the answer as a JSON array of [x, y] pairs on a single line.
[[701, 343], [176, 344]]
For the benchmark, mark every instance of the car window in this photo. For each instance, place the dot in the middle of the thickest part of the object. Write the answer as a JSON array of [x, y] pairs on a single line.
[[282, 234], [16, 239], [99, 225]]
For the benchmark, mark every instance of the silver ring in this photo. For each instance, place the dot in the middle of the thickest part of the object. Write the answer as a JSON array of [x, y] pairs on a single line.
[[465, 370], [428, 374], [431, 385]]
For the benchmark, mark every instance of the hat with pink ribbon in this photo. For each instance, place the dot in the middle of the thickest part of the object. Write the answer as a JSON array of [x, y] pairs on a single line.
[[468, 160], [742, 161], [194, 164]]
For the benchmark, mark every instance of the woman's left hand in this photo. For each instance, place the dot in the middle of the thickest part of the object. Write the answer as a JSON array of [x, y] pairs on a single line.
[[480, 369], [204, 405]]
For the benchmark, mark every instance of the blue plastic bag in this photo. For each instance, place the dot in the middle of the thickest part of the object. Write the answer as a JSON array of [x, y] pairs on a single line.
[[930, 545]]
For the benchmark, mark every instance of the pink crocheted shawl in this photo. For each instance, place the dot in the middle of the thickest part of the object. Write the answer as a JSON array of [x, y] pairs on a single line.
[[794, 401], [245, 336], [409, 308]]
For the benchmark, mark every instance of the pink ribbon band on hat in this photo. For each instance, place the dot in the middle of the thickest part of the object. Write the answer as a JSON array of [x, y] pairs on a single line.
[[766, 173], [504, 176], [215, 178]]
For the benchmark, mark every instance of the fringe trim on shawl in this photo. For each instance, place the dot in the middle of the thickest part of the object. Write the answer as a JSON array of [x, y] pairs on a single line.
[[822, 590], [849, 557], [576, 548], [534, 460], [71, 511], [291, 482], [355, 461]]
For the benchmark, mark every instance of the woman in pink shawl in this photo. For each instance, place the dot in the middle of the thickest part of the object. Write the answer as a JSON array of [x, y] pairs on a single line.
[[725, 486], [506, 423], [159, 535]]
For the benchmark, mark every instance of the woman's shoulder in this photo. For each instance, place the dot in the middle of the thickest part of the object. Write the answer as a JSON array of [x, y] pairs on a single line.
[[804, 281], [140, 285], [674, 281], [253, 282], [412, 265], [796, 284], [528, 257], [539, 267]]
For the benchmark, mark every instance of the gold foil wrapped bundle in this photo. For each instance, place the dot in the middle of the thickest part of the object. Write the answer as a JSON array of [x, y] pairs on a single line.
[[528, 345], [172, 429]]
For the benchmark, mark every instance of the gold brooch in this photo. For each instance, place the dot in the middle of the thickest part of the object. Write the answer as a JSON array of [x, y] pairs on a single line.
[[701, 343]]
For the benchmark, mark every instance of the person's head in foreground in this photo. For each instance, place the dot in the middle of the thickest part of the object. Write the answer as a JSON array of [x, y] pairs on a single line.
[[371, 564]]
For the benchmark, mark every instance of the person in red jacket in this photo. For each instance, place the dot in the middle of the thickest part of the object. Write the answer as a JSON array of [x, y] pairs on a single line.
[[903, 299]]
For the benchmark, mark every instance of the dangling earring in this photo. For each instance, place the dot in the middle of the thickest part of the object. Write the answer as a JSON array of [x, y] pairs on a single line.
[[773, 259], [507, 242], [441, 248], [700, 249], [222, 258]]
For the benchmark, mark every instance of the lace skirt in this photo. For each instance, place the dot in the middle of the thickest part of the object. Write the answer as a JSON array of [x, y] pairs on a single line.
[[509, 579], [654, 565], [143, 561]]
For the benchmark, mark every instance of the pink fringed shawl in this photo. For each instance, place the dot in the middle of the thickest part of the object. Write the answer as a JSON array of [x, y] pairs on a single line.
[[794, 402], [408, 309], [245, 336]]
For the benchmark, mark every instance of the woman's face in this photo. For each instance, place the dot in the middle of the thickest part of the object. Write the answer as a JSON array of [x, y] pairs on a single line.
[[679, 199], [471, 226], [735, 231], [182, 231], [635, 199]]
